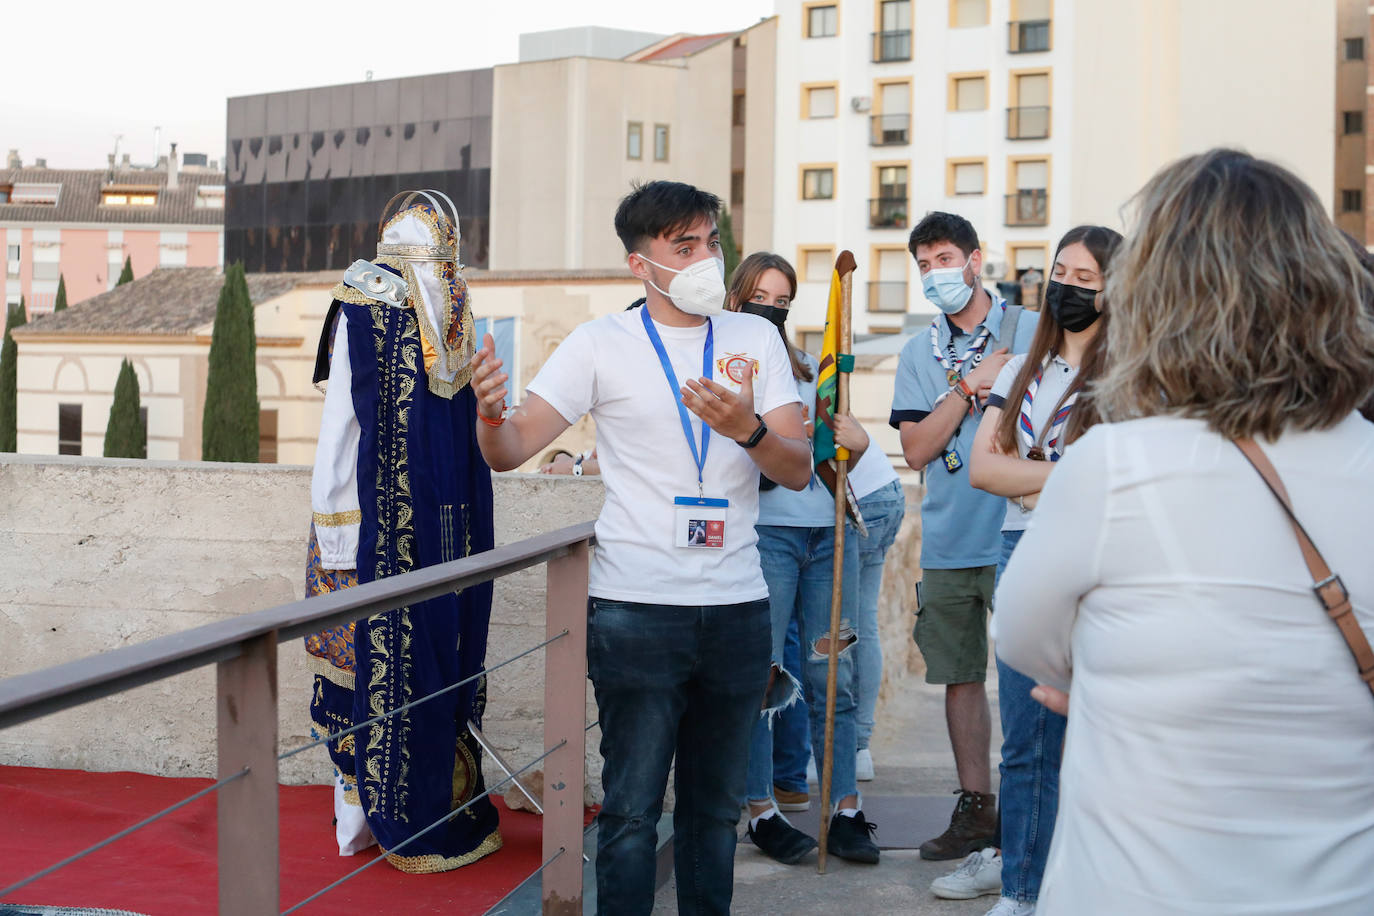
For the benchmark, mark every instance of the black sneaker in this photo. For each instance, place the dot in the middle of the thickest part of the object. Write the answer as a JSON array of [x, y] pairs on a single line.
[[852, 838], [780, 840]]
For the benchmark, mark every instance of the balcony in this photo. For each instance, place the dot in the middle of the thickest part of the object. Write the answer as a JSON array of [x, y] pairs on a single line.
[[889, 130], [887, 212], [889, 46], [1031, 123], [887, 296], [1028, 207], [1028, 36]]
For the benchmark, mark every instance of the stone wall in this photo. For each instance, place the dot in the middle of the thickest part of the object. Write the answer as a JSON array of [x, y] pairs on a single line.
[[101, 553]]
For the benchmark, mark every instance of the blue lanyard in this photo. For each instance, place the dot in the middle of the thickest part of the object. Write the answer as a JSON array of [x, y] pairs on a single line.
[[706, 356]]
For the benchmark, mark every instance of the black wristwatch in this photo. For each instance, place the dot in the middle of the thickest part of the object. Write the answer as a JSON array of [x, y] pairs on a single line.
[[758, 435]]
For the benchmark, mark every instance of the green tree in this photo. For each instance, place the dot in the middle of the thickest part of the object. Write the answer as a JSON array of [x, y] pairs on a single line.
[[61, 303], [127, 274], [728, 246], [9, 380], [125, 435], [230, 423]]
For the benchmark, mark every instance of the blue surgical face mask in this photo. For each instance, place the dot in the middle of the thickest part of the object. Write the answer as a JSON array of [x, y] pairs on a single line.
[[946, 287]]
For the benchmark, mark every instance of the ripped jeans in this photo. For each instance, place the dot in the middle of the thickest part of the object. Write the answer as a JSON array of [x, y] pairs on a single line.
[[798, 567]]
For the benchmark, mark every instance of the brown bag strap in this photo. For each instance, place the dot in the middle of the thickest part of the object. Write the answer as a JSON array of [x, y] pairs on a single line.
[[1329, 588]]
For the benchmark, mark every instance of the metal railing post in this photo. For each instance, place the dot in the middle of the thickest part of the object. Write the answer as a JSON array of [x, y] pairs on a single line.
[[246, 710], [565, 711]]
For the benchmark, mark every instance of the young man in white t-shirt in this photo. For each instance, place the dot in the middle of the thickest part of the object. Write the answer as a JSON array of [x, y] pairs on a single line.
[[690, 404]]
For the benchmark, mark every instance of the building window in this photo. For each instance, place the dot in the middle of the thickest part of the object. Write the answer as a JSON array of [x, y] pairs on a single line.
[[820, 101], [5, 192], [737, 110], [968, 93], [893, 42], [822, 20], [1354, 49], [1352, 200], [634, 140], [888, 209], [660, 142], [966, 177], [12, 260], [69, 429], [210, 196], [966, 14], [817, 264], [811, 339], [1353, 122], [1029, 30], [128, 200], [1027, 203], [1028, 117], [818, 184], [888, 293]]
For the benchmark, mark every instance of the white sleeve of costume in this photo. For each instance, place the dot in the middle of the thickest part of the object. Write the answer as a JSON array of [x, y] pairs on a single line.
[[334, 485]]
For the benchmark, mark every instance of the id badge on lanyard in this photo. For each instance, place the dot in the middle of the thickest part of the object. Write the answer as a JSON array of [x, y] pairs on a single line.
[[699, 521]]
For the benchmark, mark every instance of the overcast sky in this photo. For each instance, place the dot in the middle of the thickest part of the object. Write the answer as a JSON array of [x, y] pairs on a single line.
[[76, 74]]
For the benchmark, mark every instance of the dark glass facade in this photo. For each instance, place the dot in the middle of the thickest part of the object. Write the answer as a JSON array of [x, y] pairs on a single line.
[[309, 171]]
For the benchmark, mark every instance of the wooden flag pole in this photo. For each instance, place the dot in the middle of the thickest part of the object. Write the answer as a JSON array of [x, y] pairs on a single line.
[[845, 267]]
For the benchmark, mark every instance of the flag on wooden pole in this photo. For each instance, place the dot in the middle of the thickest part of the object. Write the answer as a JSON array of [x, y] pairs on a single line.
[[825, 452]]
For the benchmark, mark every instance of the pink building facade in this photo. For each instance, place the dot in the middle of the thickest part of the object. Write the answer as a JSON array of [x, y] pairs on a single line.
[[81, 225]]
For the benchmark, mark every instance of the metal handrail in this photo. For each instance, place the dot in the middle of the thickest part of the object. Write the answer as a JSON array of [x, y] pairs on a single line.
[[49, 690]]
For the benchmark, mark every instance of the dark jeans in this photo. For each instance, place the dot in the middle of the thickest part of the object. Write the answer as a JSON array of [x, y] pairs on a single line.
[[1032, 744], [668, 679], [792, 727]]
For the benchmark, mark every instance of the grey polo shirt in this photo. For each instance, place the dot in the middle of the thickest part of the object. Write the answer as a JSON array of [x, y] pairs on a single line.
[[960, 527], [1054, 382]]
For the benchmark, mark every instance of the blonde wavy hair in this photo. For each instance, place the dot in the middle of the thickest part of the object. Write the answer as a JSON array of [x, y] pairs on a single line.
[[1236, 300]]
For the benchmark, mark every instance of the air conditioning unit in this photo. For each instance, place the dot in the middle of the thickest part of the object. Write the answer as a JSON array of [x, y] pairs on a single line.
[[861, 103], [994, 270]]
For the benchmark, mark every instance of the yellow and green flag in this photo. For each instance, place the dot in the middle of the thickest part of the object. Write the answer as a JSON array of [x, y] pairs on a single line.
[[823, 446]]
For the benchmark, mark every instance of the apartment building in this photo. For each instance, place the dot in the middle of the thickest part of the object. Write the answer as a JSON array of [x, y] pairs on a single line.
[[1026, 116], [82, 224], [1354, 152]]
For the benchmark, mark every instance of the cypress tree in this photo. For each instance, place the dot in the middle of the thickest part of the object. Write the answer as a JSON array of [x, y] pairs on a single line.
[[61, 303], [9, 381], [727, 245], [125, 436], [127, 274], [229, 427]]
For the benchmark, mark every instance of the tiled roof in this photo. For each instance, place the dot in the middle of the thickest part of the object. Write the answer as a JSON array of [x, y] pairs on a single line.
[[678, 46], [79, 200], [169, 301]]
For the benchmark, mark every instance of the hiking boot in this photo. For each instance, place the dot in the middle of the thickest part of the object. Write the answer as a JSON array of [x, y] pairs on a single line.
[[971, 828], [1010, 906], [979, 874], [791, 801], [852, 838], [780, 840]]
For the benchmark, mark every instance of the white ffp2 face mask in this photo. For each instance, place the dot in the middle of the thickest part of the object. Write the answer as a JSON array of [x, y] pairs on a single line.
[[698, 288]]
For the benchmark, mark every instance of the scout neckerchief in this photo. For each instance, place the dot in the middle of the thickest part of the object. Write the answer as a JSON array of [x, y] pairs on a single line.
[[1036, 450], [952, 364]]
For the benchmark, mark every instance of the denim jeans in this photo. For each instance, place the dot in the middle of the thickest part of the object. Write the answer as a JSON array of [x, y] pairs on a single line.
[[1032, 746], [791, 728], [798, 567], [673, 679], [883, 510]]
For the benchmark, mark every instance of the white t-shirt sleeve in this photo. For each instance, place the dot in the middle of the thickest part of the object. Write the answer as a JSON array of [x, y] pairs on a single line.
[[567, 381], [777, 386], [334, 483], [1057, 562], [1007, 376]]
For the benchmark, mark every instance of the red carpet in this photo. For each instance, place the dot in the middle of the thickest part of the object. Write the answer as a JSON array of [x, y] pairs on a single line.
[[168, 868]]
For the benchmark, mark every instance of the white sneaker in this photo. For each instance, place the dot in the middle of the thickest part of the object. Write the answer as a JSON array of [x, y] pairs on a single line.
[[1010, 906], [980, 873], [863, 766]]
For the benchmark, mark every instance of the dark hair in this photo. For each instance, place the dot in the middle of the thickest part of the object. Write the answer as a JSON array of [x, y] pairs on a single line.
[[661, 208], [938, 226], [1101, 243], [747, 276]]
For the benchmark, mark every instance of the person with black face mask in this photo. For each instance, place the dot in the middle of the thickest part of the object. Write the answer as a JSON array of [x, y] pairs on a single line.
[[1034, 411]]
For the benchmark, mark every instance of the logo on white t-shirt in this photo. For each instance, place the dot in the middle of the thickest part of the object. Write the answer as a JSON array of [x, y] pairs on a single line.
[[734, 365]]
